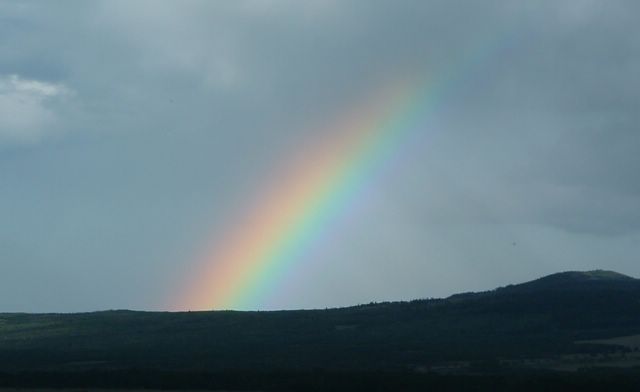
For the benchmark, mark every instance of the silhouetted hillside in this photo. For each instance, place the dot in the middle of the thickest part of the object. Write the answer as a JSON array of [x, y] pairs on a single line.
[[517, 327], [578, 280]]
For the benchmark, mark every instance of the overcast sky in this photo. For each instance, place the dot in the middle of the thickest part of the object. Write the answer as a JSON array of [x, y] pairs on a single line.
[[132, 132]]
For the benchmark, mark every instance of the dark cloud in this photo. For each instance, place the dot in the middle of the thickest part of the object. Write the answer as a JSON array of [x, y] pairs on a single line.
[[171, 112]]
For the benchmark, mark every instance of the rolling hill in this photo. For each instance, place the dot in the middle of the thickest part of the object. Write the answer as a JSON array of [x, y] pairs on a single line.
[[558, 322]]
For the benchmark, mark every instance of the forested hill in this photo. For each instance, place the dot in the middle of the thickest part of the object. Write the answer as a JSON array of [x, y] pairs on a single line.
[[551, 317]]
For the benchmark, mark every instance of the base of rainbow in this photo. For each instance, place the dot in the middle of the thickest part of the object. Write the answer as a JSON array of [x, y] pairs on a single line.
[[244, 266]]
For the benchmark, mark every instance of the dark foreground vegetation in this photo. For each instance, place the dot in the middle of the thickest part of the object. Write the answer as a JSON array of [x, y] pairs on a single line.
[[568, 331], [594, 380]]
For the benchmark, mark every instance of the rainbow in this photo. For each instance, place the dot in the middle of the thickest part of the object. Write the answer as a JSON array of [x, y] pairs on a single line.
[[311, 192], [319, 184]]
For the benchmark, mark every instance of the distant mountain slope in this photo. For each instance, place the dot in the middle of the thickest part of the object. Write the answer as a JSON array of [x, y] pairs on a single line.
[[541, 318], [579, 280]]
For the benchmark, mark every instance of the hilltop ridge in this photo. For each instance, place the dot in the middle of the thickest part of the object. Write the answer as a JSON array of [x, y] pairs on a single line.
[[575, 280], [594, 275]]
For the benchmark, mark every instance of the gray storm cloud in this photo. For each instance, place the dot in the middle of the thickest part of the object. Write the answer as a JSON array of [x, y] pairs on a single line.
[[132, 132]]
